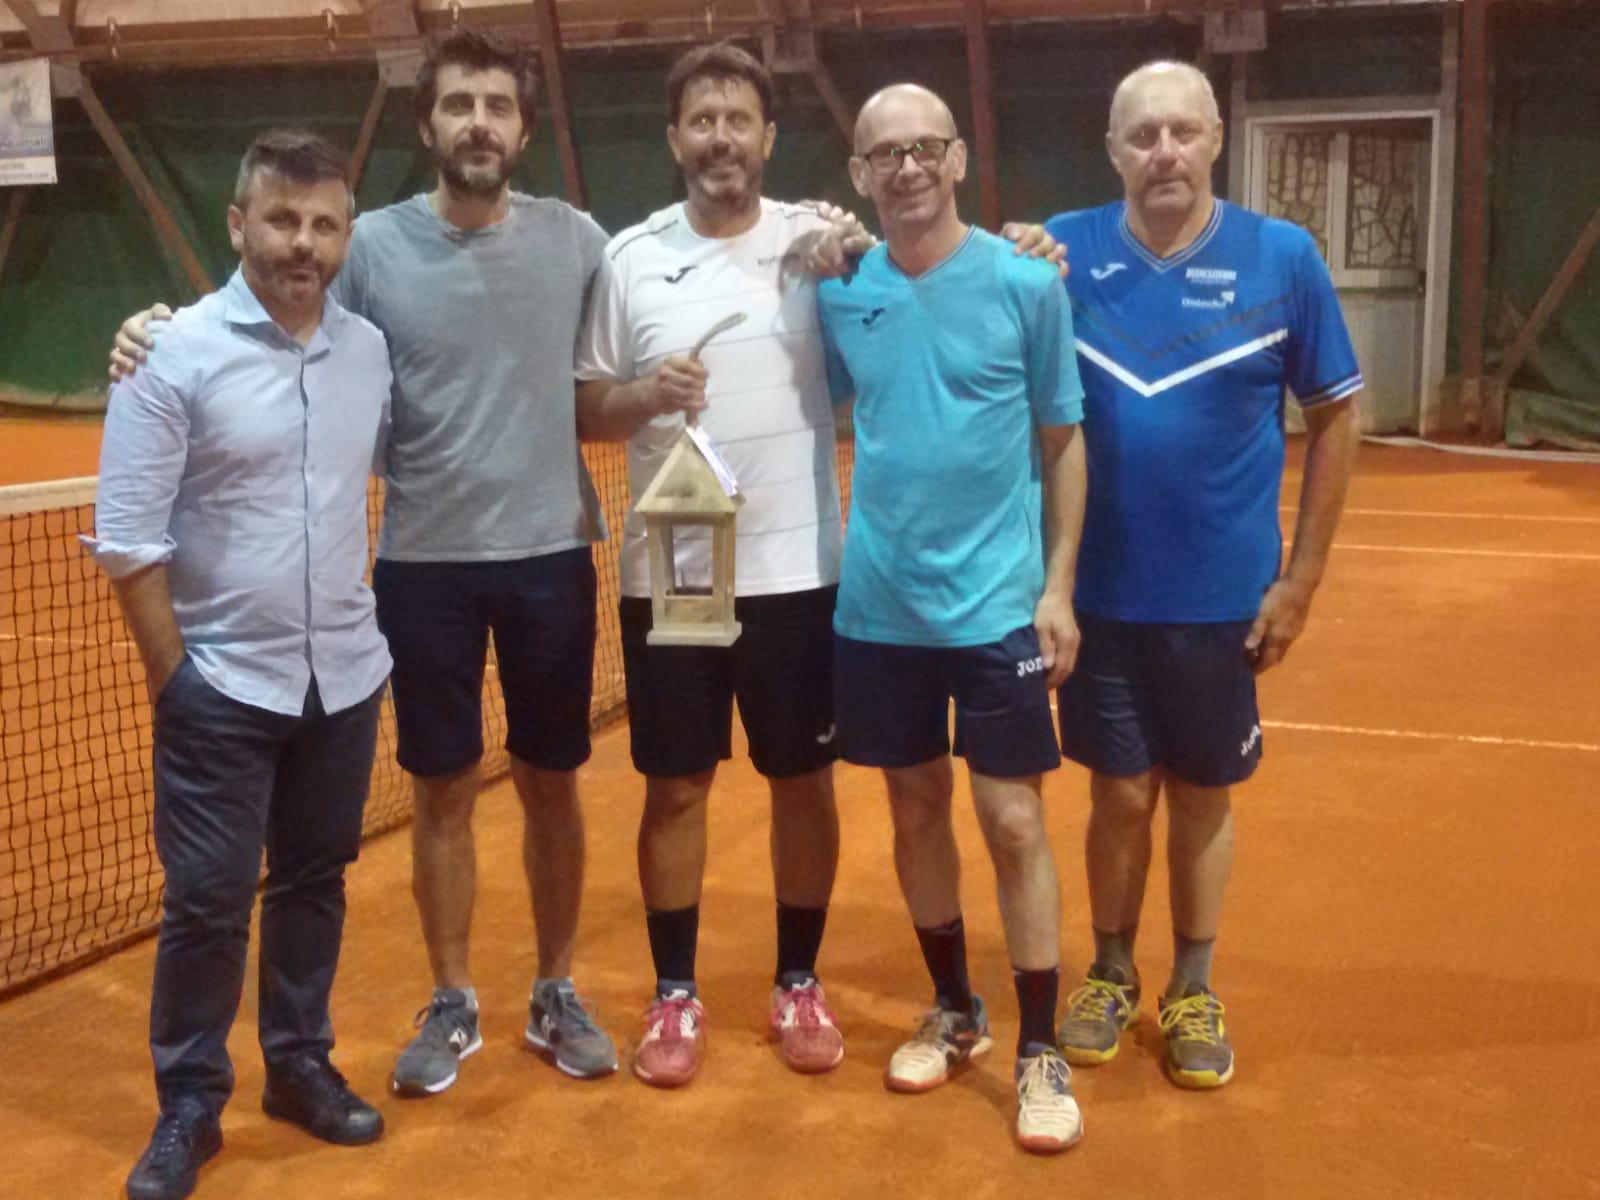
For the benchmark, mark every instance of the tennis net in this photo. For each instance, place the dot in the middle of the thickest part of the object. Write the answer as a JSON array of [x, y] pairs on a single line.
[[78, 871]]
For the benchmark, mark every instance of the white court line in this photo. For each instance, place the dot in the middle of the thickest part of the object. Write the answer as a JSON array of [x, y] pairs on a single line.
[[1418, 735], [71, 643], [1551, 554], [1453, 516]]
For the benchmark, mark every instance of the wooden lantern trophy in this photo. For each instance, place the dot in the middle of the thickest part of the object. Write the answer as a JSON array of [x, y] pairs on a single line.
[[694, 489]]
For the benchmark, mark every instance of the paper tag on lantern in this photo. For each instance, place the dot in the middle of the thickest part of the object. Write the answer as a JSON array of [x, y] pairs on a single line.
[[719, 465]]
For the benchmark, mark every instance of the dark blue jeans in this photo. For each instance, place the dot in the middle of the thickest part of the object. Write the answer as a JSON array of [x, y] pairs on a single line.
[[231, 779]]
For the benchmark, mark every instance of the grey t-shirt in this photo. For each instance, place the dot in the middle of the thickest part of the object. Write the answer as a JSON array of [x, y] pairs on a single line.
[[483, 459]]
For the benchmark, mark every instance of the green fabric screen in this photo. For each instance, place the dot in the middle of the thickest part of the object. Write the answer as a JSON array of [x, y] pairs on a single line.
[[1544, 164]]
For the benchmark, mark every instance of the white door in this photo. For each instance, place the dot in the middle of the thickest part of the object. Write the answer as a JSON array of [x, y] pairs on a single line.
[[1360, 188]]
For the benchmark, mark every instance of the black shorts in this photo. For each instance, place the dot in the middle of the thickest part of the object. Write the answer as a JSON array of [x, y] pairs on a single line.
[[1180, 697], [893, 704], [680, 698], [438, 618]]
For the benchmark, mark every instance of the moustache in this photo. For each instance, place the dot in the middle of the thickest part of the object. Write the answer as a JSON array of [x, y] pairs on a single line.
[[720, 156], [480, 140]]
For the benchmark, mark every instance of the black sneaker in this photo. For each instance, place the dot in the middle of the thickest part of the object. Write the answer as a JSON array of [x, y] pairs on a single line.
[[313, 1095], [184, 1139]]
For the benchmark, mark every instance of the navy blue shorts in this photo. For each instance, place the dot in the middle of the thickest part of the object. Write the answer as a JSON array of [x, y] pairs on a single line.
[[1180, 697], [438, 618], [680, 698], [893, 705]]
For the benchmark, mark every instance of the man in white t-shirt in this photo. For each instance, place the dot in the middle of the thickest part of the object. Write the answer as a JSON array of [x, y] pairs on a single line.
[[762, 396]]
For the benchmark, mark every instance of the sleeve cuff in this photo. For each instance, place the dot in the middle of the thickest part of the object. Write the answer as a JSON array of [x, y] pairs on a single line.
[[121, 559]]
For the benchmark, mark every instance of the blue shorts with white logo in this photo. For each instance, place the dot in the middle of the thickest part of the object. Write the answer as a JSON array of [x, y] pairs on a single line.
[[1180, 697], [892, 704]]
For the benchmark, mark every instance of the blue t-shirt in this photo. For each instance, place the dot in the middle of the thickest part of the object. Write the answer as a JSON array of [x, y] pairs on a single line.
[[1185, 360], [951, 371]]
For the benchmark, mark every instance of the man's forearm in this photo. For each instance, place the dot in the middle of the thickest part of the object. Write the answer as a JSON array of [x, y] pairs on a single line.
[[609, 411], [146, 602], [1330, 459], [1066, 480]]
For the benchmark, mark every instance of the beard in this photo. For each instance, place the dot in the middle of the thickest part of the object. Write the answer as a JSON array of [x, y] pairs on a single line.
[[727, 190], [277, 274], [475, 180]]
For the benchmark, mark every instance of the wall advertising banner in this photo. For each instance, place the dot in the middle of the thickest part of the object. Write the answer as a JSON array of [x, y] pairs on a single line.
[[27, 135]]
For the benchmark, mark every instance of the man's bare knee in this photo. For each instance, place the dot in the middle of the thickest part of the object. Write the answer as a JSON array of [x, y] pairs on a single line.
[[1125, 799], [672, 798]]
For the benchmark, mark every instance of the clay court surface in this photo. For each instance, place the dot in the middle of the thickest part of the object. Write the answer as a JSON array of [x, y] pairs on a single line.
[[1410, 958]]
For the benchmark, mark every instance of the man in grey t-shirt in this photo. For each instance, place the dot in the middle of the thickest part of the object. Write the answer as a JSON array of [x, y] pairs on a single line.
[[488, 519]]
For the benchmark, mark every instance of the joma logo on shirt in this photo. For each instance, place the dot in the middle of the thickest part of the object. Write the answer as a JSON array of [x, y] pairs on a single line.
[[681, 272], [873, 316]]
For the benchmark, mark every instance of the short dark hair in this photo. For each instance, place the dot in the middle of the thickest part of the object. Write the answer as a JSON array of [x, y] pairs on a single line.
[[292, 154], [721, 61], [479, 50]]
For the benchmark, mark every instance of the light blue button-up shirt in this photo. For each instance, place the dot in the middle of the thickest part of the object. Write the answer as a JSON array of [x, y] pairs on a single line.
[[240, 459]]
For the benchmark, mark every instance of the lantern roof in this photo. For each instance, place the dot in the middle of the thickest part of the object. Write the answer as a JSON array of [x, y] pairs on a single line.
[[687, 485]]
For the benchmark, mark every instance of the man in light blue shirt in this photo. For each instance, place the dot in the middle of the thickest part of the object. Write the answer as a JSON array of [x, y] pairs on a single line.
[[232, 520], [959, 358]]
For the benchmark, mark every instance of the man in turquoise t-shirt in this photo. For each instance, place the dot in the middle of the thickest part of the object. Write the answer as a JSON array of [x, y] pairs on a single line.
[[959, 358]]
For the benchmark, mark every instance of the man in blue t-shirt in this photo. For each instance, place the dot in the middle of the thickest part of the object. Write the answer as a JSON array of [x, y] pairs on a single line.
[[958, 356], [1192, 317]]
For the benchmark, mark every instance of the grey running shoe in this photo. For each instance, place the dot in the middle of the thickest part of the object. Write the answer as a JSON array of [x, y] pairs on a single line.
[[1198, 1053], [1097, 1013], [562, 1032], [447, 1031]]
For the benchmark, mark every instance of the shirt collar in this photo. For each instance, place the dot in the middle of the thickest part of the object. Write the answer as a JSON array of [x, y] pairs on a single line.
[[241, 307]]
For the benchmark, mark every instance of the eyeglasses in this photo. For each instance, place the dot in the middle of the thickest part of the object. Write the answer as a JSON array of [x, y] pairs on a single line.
[[926, 152]]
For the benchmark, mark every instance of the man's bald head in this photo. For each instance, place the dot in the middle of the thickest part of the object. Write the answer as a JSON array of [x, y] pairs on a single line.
[[1164, 139], [1189, 78], [908, 101]]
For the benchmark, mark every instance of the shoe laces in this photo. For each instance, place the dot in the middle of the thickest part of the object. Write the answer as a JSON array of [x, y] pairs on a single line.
[[324, 1079], [939, 1026], [675, 1015], [1195, 1018], [1094, 1000], [804, 1006], [1046, 1075], [442, 1015], [174, 1136], [566, 1009]]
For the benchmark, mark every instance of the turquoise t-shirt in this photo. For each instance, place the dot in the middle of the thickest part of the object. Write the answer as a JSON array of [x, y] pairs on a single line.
[[951, 372]]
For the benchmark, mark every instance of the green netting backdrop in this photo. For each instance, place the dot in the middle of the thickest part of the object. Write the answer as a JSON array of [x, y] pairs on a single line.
[[1544, 188]]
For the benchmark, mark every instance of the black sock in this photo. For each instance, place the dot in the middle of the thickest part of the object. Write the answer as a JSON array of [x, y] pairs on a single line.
[[1036, 1002], [673, 938], [944, 949], [799, 936]]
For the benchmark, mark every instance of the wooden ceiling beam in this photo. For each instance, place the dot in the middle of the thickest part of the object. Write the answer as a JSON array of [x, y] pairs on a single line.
[[391, 18], [789, 47], [983, 123], [160, 215], [8, 231], [1577, 257], [1481, 402], [47, 34], [396, 24], [560, 111]]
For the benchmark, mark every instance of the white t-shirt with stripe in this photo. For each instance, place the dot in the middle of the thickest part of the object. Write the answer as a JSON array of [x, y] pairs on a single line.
[[662, 287]]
